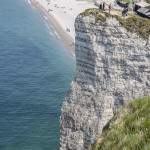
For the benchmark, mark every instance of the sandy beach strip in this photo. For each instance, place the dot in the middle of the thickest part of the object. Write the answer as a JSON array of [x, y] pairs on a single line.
[[66, 39], [61, 14]]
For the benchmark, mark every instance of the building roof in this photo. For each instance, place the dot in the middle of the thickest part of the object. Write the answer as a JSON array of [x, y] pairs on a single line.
[[145, 11], [142, 4]]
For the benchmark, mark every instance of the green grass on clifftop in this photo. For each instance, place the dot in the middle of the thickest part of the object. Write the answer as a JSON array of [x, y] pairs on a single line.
[[129, 129], [136, 24], [132, 23], [94, 12]]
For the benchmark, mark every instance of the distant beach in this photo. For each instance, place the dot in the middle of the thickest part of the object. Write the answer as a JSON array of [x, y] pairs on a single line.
[[61, 14]]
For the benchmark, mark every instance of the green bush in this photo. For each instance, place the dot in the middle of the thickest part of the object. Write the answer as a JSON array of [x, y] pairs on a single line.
[[136, 24], [94, 12], [131, 129]]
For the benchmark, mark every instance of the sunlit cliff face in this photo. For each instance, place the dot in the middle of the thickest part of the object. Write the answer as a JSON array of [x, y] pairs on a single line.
[[113, 67]]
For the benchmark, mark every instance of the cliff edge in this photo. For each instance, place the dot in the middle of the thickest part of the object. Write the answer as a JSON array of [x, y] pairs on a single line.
[[112, 68]]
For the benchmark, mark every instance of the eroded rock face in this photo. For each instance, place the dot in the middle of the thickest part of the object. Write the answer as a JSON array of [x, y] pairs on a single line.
[[112, 67]]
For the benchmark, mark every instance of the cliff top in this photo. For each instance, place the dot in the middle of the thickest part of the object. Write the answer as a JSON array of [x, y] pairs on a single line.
[[130, 128], [132, 23]]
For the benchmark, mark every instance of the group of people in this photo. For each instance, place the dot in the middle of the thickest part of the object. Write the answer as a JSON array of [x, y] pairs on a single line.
[[102, 7]]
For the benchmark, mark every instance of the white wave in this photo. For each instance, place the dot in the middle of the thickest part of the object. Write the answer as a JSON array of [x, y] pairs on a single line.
[[57, 35], [29, 2], [45, 18], [50, 29]]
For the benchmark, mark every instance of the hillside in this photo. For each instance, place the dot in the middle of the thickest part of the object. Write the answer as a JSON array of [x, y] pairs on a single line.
[[128, 130]]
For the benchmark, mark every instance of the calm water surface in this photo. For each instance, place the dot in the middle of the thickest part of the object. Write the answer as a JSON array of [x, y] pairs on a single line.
[[35, 73]]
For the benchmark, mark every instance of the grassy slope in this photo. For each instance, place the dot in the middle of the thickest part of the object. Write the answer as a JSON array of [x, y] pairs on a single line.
[[136, 24], [130, 130], [133, 24]]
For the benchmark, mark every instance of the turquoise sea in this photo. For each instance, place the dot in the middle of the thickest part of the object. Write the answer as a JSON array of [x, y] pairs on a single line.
[[35, 73]]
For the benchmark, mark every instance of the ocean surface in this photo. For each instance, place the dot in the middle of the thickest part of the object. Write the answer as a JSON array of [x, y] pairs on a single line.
[[35, 73]]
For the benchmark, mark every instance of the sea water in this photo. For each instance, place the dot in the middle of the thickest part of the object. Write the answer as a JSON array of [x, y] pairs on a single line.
[[35, 73]]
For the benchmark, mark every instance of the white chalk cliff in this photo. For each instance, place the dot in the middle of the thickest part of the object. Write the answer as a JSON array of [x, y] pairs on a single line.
[[112, 68]]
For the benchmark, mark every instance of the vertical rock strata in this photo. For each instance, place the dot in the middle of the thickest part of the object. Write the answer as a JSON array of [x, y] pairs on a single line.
[[112, 67]]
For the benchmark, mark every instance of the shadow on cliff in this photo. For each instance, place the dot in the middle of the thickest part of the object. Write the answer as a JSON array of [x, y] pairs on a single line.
[[84, 52]]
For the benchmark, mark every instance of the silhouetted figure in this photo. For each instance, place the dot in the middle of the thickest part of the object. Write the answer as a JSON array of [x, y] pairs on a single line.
[[104, 6], [100, 7], [109, 8]]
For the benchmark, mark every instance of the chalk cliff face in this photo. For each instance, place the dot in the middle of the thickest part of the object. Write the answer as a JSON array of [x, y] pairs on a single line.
[[112, 67]]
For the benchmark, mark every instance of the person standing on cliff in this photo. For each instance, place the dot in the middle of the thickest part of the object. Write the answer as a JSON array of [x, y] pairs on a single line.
[[100, 6], [103, 6], [109, 7]]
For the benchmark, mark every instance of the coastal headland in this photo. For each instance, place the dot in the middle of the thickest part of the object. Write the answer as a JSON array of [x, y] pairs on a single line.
[[112, 65]]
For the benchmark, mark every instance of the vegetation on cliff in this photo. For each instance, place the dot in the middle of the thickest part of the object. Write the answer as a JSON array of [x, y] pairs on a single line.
[[136, 24], [129, 129], [99, 16], [132, 23]]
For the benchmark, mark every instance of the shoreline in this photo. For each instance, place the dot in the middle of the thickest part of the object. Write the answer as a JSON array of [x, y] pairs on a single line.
[[64, 37]]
